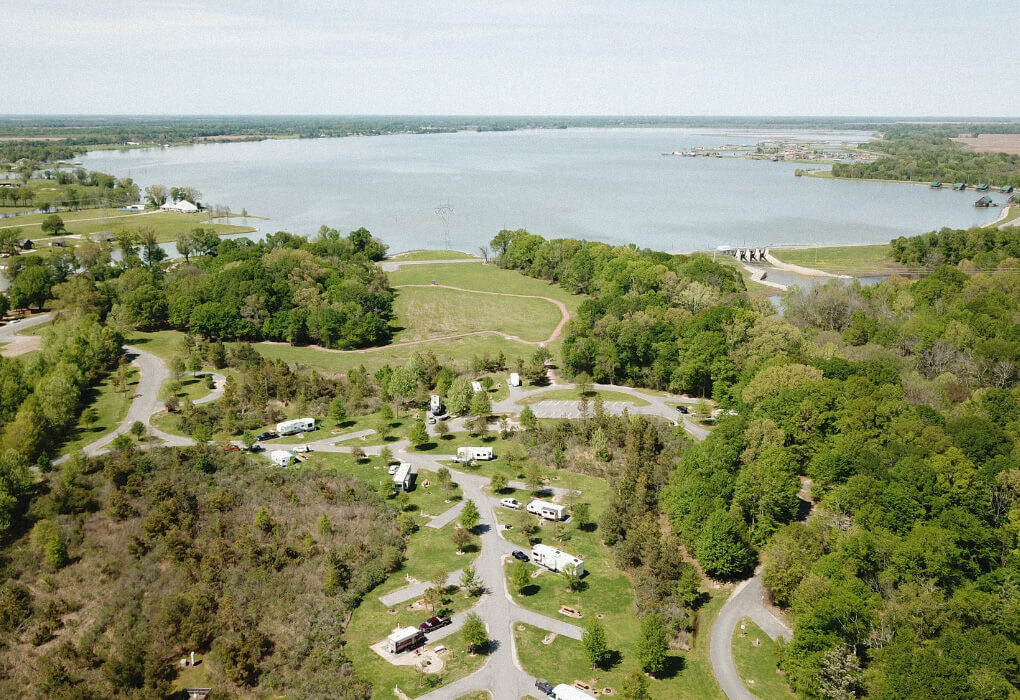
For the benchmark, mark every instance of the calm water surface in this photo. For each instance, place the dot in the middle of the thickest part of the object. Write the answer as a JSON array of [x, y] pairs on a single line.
[[611, 185]]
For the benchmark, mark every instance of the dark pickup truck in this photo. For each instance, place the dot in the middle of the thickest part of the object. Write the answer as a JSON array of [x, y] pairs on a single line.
[[434, 623]]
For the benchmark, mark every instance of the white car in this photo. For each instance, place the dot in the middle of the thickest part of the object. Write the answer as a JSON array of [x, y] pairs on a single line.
[[302, 448], [393, 469], [510, 503]]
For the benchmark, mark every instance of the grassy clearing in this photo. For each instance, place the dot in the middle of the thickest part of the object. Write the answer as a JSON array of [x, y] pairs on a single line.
[[432, 312], [165, 224], [575, 395], [191, 388], [111, 406], [487, 278], [757, 664], [417, 255], [847, 260], [163, 344]]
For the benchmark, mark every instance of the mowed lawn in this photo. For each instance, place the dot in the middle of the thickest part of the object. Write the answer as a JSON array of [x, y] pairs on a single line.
[[432, 312], [486, 278], [166, 224], [111, 406], [575, 395], [417, 255], [756, 665], [847, 260]]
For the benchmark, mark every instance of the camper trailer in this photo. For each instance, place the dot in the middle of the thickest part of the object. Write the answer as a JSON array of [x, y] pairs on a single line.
[[435, 404], [404, 638], [555, 560], [468, 454], [515, 379], [476, 387], [569, 692], [403, 479], [549, 511], [298, 425], [281, 458]]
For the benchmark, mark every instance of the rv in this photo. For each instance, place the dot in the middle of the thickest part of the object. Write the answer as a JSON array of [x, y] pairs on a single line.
[[281, 458], [555, 560], [467, 454], [298, 425], [515, 379], [549, 511], [435, 404], [476, 387], [569, 692], [403, 479], [404, 638]]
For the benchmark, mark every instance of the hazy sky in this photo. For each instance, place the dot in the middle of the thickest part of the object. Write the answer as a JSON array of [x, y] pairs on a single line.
[[767, 57]]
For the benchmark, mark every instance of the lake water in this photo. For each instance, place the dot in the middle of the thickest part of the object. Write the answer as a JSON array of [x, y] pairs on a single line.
[[610, 185]]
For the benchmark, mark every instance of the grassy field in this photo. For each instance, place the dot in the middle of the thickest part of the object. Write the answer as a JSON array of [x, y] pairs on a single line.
[[757, 664], [112, 407], [165, 224], [575, 395], [431, 312], [192, 388], [418, 255], [486, 278], [163, 344], [861, 260]]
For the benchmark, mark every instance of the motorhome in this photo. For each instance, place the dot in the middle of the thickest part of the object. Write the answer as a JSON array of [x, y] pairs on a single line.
[[515, 379], [549, 511], [403, 479], [467, 454], [435, 404], [555, 560], [298, 425], [404, 638]]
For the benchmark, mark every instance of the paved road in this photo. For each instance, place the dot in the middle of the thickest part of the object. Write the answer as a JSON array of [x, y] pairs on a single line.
[[395, 264], [219, 384], [15, 344], [745, 601]]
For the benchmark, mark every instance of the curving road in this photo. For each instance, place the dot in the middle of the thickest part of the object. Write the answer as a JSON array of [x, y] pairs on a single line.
[[15, 344]]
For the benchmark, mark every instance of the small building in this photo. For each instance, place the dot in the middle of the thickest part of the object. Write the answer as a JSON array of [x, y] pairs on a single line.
[[1006, 189], [982, 187], [404, 638], [960, 186], [547, 510], [183, 206], [467, 454], [555, 560], [403, 479], [298, 425], [515, 379], [569, 692], [281, 458], [935, 185], [26, 244], [985, 201], [476, 386], [435, 403]]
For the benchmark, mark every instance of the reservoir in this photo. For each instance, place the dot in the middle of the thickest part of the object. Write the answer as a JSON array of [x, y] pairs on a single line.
[[612, 185]]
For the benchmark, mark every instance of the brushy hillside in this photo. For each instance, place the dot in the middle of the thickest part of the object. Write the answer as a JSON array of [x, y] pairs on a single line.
[[126, 563]]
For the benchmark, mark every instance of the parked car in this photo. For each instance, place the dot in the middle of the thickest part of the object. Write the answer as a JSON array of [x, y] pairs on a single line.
[[434, 623], [518, 554], [393, 469], [431, 419], [544, 685], [232, 448], [301, 448], [510, 503], [682, 409], [268, 435]]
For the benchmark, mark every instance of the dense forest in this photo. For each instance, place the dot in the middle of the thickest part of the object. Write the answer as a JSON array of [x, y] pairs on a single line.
[[925, 153], [871, 465], [326, 290], [643, 305], [980, 248], [194, 550]]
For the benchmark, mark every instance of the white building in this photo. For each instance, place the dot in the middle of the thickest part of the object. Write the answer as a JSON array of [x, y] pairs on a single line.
[[549, 511], [466, 454], [569, 692], [555, 560], [403, 479], [515, 379], [281, 457], [298, 425], [476, 386], [183, 206]]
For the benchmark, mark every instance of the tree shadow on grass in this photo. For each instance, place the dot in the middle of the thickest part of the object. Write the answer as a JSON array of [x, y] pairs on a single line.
[[612, 660], [674, 666], [426, 446], [530, 590], [447, 437]]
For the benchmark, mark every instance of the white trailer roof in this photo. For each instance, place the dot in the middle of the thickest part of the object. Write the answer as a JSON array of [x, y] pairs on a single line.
[[569, 692], [402, 633]]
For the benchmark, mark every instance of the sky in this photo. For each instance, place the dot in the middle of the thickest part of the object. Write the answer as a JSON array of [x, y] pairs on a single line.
[[510, 57]]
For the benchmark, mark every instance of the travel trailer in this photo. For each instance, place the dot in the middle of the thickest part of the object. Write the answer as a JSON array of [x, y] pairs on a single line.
[[555, 560], [298, 425], [467, 454], [549, 511]]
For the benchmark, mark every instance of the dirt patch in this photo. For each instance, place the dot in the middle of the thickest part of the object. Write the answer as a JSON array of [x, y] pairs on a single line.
[[549, 638], [991, 143], [20, 345]]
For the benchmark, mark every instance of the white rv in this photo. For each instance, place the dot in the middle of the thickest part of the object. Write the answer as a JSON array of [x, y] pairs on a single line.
[[515, 379], [476, 387], [404, 638], [569, 692], [403, 479], [549, 511], [555, 560], [298, 425], [466, 454], [435, 404], [281, 458]]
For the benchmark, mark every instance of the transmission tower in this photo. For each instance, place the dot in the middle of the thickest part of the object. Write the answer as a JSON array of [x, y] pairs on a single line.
[[444, 212]]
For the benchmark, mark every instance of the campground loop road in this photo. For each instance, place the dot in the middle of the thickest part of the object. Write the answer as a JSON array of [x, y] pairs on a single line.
[[14, 343]]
